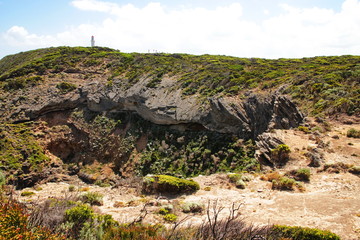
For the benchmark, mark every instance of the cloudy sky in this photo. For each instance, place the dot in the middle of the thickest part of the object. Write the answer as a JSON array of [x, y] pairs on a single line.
[[243, 28]]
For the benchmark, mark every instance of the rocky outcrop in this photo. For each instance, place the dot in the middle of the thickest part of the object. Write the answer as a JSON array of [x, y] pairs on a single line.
[[166, 105], [266, 144]]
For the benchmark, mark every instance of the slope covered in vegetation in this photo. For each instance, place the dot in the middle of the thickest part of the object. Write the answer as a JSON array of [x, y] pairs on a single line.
[[157, 113], [320, 84]]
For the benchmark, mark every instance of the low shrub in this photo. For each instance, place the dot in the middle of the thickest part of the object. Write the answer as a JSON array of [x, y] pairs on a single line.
[[93, 198], [354, 133], [271, 176], [240, 184], [169, 184], [71, 188], [134, 232], [234, 177], [27, 193], [14, 224], [207, 188], [280, 154], [79, 213], [284, 183], [192, 207], [2, 179], [170, 217], [302, 174], [304, 233], [163, 211], [304, 129], [166, 209], [66, 87]]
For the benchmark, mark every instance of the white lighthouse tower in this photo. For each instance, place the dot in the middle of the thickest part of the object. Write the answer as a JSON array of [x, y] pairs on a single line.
[[92, 41]]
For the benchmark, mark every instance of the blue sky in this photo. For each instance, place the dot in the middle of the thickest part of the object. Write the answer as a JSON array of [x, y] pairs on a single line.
[[243, 28]]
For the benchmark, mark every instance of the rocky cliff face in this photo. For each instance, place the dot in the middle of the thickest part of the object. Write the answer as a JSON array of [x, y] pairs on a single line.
[[165, 105], [95, 114]]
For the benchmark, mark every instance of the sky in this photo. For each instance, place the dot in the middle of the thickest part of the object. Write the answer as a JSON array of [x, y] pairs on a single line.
[[241, 28]]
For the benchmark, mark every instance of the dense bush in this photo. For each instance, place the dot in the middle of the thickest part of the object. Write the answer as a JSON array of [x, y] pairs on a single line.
[[352, 132], [280, 154], [284, 183], [14, 224], [302, 233], [192, 207], [169, 184], [302, 174], [93, 198]]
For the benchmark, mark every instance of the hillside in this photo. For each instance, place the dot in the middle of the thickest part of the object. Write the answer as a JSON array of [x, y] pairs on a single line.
[[99, 117], [150, 113]]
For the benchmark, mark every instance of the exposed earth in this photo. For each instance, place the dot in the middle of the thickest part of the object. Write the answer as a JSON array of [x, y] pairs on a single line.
[[331, 200]]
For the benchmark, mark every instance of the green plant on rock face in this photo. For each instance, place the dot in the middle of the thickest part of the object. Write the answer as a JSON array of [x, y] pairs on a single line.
[[66, 87]]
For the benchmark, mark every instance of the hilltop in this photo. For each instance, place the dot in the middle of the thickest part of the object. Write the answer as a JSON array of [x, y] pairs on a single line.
[[98, 116]]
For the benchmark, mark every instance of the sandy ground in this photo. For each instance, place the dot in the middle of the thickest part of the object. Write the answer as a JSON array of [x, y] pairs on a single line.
[[331, 200]]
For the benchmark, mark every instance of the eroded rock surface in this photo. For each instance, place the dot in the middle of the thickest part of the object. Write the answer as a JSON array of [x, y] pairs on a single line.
[[246, 117]]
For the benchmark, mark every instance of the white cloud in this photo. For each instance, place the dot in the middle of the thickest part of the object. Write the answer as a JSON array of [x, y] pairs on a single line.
[[93, 5], [296, 32], [19, 36]]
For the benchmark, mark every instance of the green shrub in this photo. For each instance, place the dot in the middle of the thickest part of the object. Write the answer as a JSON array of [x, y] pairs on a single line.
[[302, 174], [304, 129], [170, 217], [71, 188], [280, 154], [27, 193], [2, 179], [66, 87], [302, 233], [352, 132], [163, 211], [284, 183], [240, 184], [234, 177], [93, 198], [79, 214], [134, 232], [192, 207], [166, 209], [169, 184]]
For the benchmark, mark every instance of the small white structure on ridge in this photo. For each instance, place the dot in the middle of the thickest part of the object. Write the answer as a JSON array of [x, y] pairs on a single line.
[[92, 41]]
